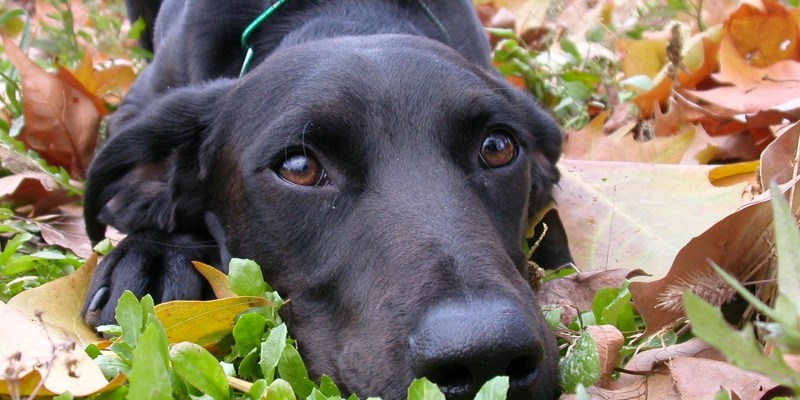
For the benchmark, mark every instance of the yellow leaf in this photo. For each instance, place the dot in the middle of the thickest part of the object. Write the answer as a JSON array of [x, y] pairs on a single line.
[[203, 322], [62, 315], [217, 279], [642, 57]]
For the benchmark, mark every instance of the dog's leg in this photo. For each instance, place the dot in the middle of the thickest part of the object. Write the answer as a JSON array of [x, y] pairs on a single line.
[[149, 262]]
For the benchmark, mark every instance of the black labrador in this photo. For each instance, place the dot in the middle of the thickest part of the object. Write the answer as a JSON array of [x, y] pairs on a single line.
[[369, 158]]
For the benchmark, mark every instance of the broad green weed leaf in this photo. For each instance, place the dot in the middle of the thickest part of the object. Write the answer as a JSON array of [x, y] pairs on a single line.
[[423, 389], [787, 242], [129, 316], [328, 388], [150, 378], [740, 347], [612, 306], [249, 368], [580, 366], [200, 369], [258, 390], [245, 278], [292, 370], [316, 395], [281, 390], [494, 389], [248, 331], [271, 350]]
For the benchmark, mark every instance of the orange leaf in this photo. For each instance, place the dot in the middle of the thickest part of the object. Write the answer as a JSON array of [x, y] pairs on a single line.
[[61, 117], [765, 35]]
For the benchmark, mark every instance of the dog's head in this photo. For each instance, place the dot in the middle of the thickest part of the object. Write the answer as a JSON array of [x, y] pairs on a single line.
[[384, 185]]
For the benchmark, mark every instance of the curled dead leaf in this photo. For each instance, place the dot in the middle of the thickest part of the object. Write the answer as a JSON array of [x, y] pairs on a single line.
[[608, 341], [61, 116]]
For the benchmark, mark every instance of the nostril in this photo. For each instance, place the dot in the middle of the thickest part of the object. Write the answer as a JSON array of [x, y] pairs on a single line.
[[522, 370], [451, 379]]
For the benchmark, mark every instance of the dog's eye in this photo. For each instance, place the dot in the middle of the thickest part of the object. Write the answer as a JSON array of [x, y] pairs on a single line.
[[303, 169], [498, 150]]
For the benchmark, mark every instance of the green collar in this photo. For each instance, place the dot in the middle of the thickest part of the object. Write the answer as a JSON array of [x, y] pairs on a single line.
[[248, 48]]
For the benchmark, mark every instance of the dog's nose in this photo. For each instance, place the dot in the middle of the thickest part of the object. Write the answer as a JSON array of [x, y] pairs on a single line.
[[459, 346]]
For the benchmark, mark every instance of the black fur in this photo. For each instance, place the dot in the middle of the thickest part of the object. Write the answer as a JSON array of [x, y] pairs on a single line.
[[413, 230]]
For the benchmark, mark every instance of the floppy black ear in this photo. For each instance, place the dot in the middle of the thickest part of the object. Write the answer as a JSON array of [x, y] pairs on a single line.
[[545, 226], [146, 176]]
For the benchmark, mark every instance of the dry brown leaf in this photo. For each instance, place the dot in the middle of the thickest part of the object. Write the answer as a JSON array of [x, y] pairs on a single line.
[[574, 293], [45, 351], [590, 143], [700, 378], [61, 116], [779, 159], [630, 215], [34, 188], [739, 243], [650, 360], [608, 341], [65, 228], [763, 33]]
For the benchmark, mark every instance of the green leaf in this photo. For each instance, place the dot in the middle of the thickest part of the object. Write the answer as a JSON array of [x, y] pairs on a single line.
[[740, 347], [423, 389], [64, 396], [580, 366], [612, 306], [787, 242], [245, 278], [258, 389], [494, 389], [129, 317], [271, 351], [292, 370], [199, 369], [13, 245], [281, 390], [328, 388], [248, 331], [104, 247], [149, 378]]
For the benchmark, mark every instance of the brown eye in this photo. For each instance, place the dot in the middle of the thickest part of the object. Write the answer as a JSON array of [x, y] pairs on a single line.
[[304, 170], [498, 150]]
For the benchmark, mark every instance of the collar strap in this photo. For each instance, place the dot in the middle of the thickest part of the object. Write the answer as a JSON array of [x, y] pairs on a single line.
[[248, 48]]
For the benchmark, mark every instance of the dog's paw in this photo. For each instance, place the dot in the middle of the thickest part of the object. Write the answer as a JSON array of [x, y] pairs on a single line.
[[149, 262]]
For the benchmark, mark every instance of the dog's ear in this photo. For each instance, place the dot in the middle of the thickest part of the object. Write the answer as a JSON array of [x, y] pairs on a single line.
[[546, 235], [149, 173]]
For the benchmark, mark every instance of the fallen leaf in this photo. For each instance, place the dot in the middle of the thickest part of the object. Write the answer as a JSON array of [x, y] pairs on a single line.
[[630, 215], [35, 188], [203, 322], [45, 351], [699, 59], [65, 228], [608, 341], [779, 161], [642, 57], [62, 315], [700, 378], [61, 118], [763, 34], [590, 143], [739, 243], [216, 278]]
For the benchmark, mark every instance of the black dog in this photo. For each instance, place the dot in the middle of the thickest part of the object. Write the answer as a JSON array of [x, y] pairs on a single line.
[[370, 160]]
